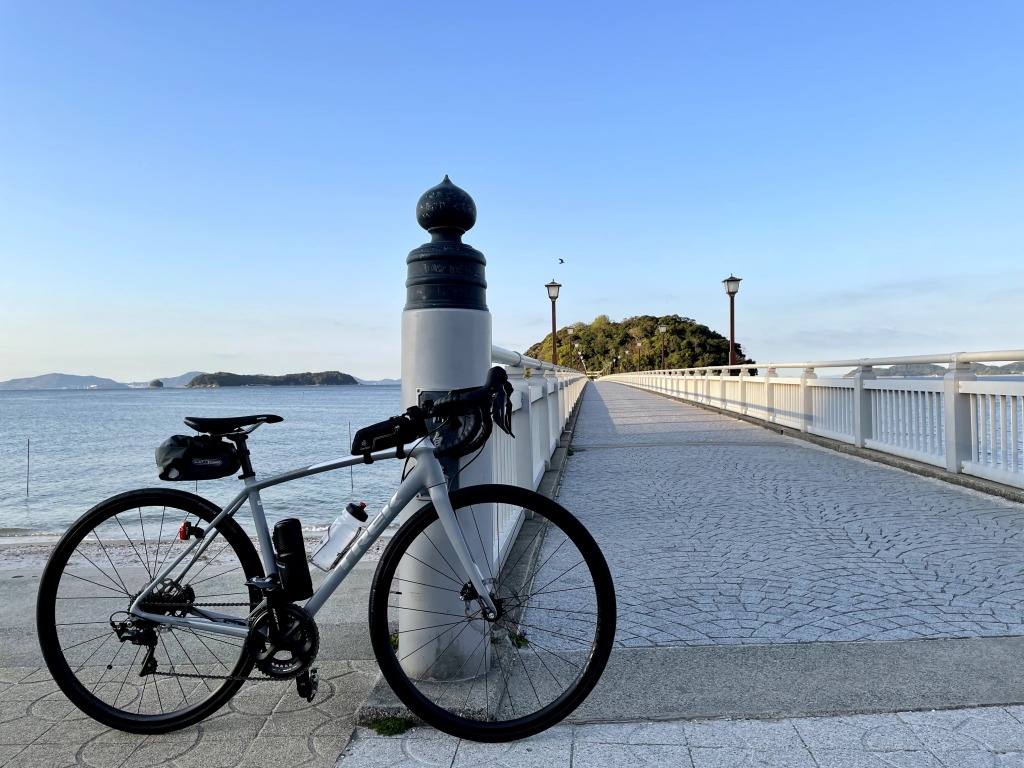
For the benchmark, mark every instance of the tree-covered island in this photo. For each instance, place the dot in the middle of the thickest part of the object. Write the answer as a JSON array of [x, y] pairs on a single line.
[[610, 347], [322, 379]]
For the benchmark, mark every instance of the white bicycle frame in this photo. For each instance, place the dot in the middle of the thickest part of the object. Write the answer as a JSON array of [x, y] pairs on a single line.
[[425, 477]]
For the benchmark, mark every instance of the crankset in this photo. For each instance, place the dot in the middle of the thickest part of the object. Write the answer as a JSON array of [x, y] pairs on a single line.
[[283, 642]]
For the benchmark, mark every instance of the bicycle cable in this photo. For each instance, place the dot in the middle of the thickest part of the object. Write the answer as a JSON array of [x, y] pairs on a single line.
[[459, 472]]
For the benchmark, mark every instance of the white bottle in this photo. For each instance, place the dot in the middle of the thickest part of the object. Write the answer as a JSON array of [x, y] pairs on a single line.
[[339, 537]]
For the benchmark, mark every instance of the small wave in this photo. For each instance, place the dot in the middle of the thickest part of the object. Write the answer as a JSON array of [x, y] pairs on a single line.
[[25, 532]]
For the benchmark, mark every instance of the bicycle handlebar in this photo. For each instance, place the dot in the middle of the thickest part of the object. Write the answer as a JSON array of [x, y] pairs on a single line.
[[467, 399], [478, 406]]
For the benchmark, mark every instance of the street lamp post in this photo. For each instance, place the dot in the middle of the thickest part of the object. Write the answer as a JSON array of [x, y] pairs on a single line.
[[570, 330], [732, 287], [553, 295], [638, 345], [662, 329]]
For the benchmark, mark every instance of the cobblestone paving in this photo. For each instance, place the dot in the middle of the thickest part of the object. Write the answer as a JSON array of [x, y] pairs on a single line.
[[265, 724], [974, 738], [721, 532]]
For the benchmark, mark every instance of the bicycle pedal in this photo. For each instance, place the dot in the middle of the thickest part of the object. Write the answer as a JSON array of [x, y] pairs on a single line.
[[307, 683]]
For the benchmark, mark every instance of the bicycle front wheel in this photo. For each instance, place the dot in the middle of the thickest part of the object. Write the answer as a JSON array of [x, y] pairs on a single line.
[[132, 674], [525, 670]]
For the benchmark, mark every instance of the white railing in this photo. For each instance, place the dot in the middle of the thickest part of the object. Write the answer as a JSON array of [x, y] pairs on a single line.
[[543, 399], [960, 422]]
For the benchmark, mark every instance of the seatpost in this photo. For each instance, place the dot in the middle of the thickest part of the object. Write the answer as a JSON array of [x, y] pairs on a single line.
[[239, 440]]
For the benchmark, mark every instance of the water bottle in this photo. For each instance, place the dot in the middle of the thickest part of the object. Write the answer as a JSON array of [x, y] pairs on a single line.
[[339, 536]]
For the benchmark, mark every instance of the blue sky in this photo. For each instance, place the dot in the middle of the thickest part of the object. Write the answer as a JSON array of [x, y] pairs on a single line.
[[232, 186]]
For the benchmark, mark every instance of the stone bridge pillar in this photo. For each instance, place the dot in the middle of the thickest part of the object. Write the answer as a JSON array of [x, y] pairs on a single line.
[[446, 344]]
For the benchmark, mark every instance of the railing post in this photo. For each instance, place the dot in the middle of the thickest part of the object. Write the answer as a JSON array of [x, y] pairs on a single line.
[[521, 428], [806, 399], [566, 403], [723, 398], [543, 420], [554, 427], [446, 344], [862, 414], [741, 386], [957, 416], [769, 395]]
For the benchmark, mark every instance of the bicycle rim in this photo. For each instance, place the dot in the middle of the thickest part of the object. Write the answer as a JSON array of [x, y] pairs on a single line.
[[508, 678], [96, 571]]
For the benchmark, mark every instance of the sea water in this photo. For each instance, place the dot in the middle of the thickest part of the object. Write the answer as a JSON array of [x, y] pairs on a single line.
[[75, 448]]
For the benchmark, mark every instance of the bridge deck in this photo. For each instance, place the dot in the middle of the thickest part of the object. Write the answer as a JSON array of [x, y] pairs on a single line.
[[809, 581]]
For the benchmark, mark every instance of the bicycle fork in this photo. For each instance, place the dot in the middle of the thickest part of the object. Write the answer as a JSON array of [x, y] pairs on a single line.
[[437, 488]]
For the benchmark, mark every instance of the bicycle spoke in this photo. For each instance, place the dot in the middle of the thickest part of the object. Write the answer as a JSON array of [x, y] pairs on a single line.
[[485, 550], [121, 592]]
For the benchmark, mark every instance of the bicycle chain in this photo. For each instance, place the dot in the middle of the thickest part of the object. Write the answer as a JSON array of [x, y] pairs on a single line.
[[193, 675]]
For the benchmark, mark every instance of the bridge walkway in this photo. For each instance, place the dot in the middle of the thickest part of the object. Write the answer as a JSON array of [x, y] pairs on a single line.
[[761, 576]]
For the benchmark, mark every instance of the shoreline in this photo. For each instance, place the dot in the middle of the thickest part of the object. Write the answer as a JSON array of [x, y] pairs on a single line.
[[32, 555]]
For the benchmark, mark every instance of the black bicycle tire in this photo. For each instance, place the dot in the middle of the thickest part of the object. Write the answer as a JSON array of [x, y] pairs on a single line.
[[46, 607], [557, 710]]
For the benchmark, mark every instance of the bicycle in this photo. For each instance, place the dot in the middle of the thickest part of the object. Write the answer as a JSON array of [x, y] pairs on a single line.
[[491, 613]]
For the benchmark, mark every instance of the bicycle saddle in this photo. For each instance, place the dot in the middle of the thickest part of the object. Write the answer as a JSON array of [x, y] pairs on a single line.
[[229, 424]]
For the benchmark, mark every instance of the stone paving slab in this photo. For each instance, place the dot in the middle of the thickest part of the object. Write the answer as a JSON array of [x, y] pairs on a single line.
[[968, 738]]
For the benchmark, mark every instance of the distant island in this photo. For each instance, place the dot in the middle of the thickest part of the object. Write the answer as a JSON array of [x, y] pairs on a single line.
[[195, 379], [322, 379], [62, 381]]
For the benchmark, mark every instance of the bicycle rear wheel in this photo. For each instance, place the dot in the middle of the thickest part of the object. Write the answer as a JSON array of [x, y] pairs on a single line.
[[131, 674], [503, 679]]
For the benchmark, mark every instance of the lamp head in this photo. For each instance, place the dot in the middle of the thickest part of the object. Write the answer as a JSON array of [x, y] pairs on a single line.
[[732, 285], [553, 289]]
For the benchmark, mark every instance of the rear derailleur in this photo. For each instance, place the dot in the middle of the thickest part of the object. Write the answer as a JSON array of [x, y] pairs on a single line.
[[138, 632]]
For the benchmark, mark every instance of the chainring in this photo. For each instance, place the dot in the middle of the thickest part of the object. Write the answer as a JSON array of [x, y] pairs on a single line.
[[283, 654]]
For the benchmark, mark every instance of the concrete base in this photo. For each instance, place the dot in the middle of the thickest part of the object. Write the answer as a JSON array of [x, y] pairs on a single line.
[[809, 679]]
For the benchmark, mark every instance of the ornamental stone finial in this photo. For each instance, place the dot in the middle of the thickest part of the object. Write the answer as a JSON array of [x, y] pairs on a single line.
[[446, 273], [446, 206]]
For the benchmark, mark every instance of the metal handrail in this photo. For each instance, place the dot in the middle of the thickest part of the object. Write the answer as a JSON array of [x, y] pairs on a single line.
[[952, 358], [519, 360]]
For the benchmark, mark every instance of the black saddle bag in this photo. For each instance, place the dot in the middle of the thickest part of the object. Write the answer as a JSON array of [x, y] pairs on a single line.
[[196, 457]]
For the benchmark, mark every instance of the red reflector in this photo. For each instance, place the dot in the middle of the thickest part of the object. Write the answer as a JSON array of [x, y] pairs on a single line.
[[183, 532]]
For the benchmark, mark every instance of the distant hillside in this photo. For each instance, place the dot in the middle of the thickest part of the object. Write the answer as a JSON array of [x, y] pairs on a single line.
[[180, 381], [62, 381], [380, 382], [1010, 369], [929, 369], [221, 379]]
